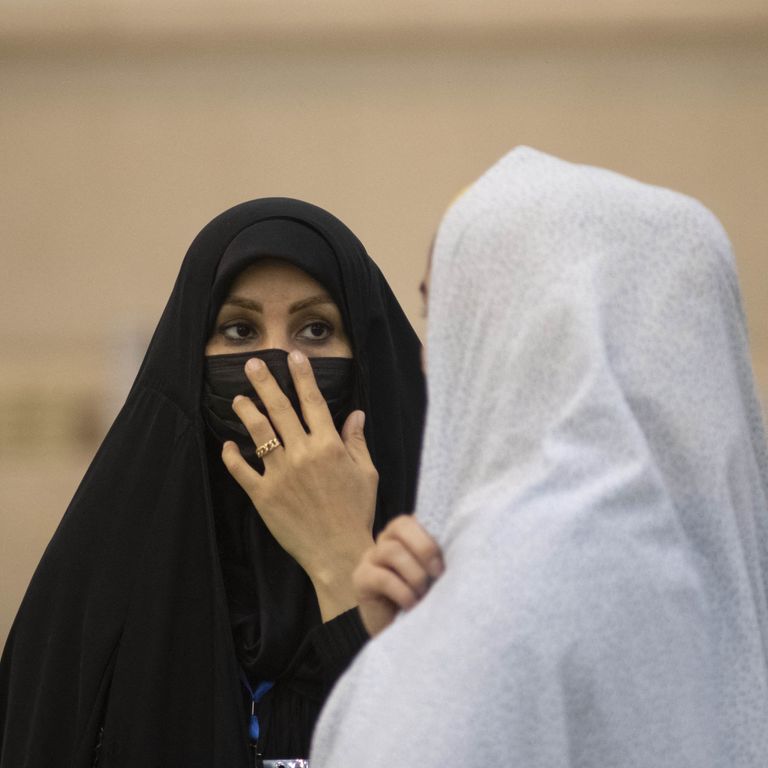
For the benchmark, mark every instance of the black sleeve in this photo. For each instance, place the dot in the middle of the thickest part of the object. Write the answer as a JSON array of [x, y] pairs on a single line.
[[336, 642], [290, 710]]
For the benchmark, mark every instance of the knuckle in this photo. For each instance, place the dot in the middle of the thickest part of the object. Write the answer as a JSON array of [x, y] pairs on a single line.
[[331, 447], [249, 414], [389, 549], [388, 531], [312, 396], [235, 466], [257, 371], [383, 550], [400, 524], [398, 592], [254, 421], [297, 457], [303, 370], [232, 458], [279, 404], [380, 580]]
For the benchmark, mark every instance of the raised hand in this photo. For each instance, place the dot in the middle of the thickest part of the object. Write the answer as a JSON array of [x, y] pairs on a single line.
[[317, 495], [396, 572]]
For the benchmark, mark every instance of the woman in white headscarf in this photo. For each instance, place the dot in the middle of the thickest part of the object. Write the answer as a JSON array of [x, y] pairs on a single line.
[[595, 473]]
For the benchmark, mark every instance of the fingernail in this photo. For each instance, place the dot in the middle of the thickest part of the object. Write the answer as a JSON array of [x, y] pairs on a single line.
[[254, 365], [435, 567], [236, 400], [297, 357], [359, 420]]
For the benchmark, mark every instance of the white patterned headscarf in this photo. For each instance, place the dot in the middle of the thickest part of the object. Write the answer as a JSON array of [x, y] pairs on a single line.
[[595, 470]]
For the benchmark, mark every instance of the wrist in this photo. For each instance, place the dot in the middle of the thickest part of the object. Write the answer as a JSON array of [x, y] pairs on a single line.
[[334, 565], [331, 576]]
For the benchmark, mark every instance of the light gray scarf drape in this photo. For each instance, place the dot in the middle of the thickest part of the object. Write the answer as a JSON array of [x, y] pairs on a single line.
[[595, 469]]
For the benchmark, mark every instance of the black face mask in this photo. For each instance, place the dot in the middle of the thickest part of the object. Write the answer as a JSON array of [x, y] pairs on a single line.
[[225, 379]]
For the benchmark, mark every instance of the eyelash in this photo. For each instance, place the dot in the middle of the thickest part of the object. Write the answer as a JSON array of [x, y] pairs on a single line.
[[328, 331], [235, 340], [246, 339]]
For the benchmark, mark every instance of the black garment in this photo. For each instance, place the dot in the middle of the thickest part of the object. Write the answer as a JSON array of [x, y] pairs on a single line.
[[126, 622]]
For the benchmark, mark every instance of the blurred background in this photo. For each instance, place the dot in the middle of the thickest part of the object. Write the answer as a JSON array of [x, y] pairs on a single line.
[[128, 124]]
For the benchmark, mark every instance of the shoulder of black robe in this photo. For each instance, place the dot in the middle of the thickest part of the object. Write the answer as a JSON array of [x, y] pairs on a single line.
[[125, 620]]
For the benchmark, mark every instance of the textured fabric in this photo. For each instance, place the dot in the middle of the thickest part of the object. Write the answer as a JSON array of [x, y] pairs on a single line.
[[297, 697], [338, 640], [126, 622], [594, 468]]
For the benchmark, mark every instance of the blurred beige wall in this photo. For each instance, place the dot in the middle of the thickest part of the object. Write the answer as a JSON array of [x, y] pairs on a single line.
[[127, 125]]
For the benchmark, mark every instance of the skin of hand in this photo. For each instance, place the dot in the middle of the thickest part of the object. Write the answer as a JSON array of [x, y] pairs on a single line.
[[317, 495], [396, 572]]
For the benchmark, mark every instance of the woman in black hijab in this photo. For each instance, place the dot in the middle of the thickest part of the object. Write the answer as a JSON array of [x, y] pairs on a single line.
[[163, 602]]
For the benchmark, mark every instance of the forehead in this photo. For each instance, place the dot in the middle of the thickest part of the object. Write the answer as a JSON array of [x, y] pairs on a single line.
[[275, 278]]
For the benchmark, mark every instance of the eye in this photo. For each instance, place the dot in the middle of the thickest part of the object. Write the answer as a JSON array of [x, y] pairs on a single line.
[[237, 332], [317, 331]]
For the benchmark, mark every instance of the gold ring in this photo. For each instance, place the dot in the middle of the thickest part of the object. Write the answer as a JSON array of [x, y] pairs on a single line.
[[268, 447]]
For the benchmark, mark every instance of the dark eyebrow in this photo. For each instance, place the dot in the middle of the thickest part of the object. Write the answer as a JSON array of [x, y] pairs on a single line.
[[297, 306], [310, 302], [239, 301]]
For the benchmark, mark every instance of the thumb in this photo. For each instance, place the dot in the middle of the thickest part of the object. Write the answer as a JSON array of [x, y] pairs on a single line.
[[354, 437]]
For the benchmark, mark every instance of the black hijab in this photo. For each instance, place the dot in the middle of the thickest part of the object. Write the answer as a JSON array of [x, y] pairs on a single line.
[[126, 621]]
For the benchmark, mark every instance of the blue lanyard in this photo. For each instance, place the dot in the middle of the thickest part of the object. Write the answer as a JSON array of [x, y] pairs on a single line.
[[256, 694]]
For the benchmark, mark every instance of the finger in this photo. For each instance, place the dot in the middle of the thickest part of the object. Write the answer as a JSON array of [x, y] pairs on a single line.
[[353, 435], [393, 554], [377, 614], [279, 408], [243, 473], [422, 546], [313, 405], [256, 423], [376, 583]]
